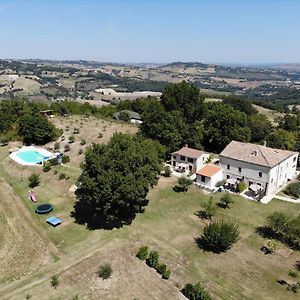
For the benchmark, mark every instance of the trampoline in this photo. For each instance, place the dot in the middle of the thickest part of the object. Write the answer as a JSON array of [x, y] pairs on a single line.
[[44, 209]]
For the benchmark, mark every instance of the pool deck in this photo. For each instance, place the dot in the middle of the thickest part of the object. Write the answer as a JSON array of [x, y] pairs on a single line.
[[22, 162]]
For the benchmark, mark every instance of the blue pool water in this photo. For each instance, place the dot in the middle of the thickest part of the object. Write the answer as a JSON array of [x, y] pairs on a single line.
[[31, 156]]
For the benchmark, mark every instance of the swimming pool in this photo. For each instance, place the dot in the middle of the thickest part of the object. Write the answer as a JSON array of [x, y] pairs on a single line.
[[31, 155]]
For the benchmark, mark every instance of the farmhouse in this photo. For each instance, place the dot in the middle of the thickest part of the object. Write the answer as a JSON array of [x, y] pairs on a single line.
[[261, 167], [132, 116], [188, 160]]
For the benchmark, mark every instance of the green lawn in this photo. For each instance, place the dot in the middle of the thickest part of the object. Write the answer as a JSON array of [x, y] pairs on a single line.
[[170, 226]]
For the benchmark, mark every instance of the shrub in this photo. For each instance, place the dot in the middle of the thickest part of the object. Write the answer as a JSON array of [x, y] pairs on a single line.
[[46, 166], [4, 141], [71, 139], [152, 260], [80, 151], [225, 201], [221, 183], [54, 281], [34, 180], [76, 130], [284, 228], [67, 148], [167, 171], [209, 210], [293, 273], [143, 253], [105, 271], [219, 236], [53, 161], [82, 142], [166, 274], [297, 265], [183, 184], [242, 186], [293, 189], [65, 159], [56, 146], [55, 172], [195, 292], [100, 135], [161, 268], [62, 176]]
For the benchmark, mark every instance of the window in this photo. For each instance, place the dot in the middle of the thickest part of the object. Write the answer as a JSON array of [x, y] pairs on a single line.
[[228, 167], [174, 156], [260, 174], [294, 159], [182, 157], [240, 169], [190, 160], [202, 178], [174, 163], [228, 177]]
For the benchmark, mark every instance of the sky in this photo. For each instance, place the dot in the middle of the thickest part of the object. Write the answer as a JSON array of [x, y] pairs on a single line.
[[157, 31]]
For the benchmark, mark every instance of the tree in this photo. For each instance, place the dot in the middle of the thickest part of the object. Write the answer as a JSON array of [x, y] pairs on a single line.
[[167, 171], [54, 281], [186, 98], [105, 271], [36, 129], [282, 139], [143, 253], [226, 200], [34, 180], [183, 183], [153, 259], [219, 236], [224, 124], [260, 128], [209, 210], [115, 180], [241, 105], [195, 292]]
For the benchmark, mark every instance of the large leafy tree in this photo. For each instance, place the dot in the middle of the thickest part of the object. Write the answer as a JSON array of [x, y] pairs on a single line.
[[186, 98], [224, 124], [115, 180], [260, 127], [282, 139], [167, 127], [36, 129]]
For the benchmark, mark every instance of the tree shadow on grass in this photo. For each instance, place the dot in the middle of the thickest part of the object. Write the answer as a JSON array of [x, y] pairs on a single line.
[[201, 243], [179, 189], [93, 219]]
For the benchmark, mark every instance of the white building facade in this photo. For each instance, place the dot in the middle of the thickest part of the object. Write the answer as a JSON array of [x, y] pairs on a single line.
[[268, 168], [188, 160]]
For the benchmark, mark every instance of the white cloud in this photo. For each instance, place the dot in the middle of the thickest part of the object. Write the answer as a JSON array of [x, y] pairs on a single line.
[[5, 6]]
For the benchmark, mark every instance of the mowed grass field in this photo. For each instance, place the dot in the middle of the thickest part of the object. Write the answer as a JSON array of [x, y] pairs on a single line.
[[169, 225]]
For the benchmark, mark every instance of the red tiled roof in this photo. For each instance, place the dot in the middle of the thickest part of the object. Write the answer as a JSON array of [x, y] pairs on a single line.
[[209, 170]]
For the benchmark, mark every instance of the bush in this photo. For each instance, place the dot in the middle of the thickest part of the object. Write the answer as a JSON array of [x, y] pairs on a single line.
[[80, 151], [34, 180], [105, 271], [225, 201], [221, 183], [219, 236], [152, 260], [100, 135], [293, 274], [46, 166], [166, 274], [82, 142], [293, 189], [143, 253], [67, 148], [71, 139], [242, 186], [56, 146], [183, 184], [195, 292], [297, 265], [167, 171], [284, 228], [55, 172], [4, 141], [76, 130], [53, 161], [62, 176], [54, 281], [209, 210], [65, 159], [161, 268]]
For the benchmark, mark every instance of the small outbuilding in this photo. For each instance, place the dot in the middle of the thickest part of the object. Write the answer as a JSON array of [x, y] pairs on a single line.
[[209, 176]]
